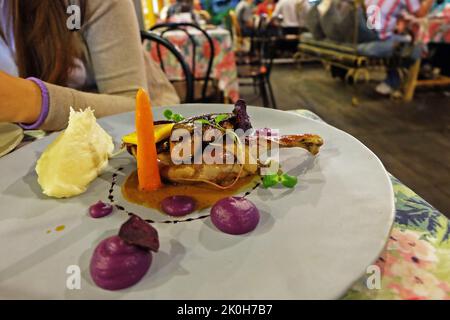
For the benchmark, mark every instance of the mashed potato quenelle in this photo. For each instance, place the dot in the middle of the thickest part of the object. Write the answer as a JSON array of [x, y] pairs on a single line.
[[75, 158]]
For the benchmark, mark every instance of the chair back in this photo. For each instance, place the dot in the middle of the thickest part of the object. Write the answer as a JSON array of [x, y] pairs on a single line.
[[185, 27], [236, 30], [161, 42], [267, 42]]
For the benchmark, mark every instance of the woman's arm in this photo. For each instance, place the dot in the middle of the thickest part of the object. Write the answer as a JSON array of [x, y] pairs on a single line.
[[20, 99], [112, 37]]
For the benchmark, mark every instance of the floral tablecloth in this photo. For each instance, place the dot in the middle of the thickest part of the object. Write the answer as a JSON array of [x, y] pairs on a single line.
[[224, 65], [416, 262]]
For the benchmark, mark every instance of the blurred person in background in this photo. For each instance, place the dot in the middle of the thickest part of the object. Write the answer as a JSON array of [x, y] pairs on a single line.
[[163, 15], [45, 68], [202, 14], [384, 16], [292, 15], [244, 14], [182, 11], [265, 7]]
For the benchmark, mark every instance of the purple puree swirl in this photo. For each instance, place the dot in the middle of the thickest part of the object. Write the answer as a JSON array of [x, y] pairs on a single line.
[[116, 265], [178, 206], [235, 215], [100, 210]]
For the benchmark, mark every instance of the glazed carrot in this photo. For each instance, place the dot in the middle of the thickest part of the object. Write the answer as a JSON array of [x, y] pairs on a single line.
[[147, 163]]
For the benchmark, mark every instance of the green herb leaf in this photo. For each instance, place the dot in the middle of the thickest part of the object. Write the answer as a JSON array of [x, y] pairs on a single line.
[[220, 118], [168, 114], [203, 121], [270, 180], [173, 116], [288, 181], [177, 118]]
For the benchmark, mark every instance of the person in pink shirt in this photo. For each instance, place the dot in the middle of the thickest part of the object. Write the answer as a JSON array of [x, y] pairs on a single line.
[[382, 17]]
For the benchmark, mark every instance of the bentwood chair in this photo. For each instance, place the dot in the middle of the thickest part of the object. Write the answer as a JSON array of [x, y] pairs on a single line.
[[188, 77], [259, 71], [245, 49], [205, 88]]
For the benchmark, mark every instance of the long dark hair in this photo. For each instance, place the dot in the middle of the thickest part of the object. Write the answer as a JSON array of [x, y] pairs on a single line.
[[45, 47]]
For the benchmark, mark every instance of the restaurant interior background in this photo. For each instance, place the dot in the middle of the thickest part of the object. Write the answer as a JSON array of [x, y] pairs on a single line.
[[408, 131]]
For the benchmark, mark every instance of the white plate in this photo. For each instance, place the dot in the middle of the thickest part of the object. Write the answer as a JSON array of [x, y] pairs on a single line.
[[10, 137], [313, 242]]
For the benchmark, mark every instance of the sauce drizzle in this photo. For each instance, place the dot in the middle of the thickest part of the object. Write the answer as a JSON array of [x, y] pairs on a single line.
[[221, 194]]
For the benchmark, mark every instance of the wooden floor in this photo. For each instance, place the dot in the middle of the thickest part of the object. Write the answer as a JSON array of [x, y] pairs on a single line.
[[412, 140]]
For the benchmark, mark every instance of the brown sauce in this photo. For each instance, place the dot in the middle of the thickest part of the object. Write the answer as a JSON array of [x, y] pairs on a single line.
[[204, 194]]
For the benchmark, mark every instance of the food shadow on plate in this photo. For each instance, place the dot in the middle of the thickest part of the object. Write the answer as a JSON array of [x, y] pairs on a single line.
[[309, 176], [121, 165], [297, 171], [20, 191], [27, 189], [214, 240], [165, 266], [47, 251], [27, 186]]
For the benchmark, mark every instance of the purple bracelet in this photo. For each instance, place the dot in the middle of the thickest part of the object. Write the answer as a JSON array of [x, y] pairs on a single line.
[[44, 107]]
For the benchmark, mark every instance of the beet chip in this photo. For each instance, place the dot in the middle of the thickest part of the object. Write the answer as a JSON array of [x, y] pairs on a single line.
[[139, 233], [243, 120]]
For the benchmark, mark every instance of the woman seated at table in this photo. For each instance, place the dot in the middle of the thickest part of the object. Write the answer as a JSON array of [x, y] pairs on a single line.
[[183, 11], [164, 13], [201, 12], [45, 68]]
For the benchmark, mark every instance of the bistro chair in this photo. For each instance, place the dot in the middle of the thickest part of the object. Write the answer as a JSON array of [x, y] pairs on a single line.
[[205, 88], [245, 48], [188, 77], [259, 70], [236, 33]]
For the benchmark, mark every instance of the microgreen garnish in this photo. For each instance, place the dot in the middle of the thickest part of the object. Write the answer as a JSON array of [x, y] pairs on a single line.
[[168, 114], [288, 181], [273, 180], [217, 120], [173, 116], [203, 121], [220, 118], [216, 123], [177, 118]]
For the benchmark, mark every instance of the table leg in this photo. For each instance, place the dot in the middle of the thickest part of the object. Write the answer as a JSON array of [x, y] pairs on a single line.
[[411, 81]]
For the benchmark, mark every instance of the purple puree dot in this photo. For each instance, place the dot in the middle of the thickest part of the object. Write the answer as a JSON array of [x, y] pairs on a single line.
[[178, 206], [235, 215], [100, 210], [116, 265]]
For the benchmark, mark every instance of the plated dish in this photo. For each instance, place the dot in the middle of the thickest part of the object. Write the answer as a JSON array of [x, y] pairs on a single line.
[[183, 165], [302, 233]]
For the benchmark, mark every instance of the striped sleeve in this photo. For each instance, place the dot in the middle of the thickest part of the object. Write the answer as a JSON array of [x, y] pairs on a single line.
[[412, 5]]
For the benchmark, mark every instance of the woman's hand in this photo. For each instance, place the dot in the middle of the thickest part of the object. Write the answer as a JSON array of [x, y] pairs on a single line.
[[20, 99]]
